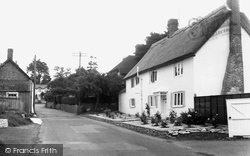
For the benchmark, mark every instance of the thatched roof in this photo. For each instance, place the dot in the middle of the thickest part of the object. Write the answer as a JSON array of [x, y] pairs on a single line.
[[126, 65], [182, 44]]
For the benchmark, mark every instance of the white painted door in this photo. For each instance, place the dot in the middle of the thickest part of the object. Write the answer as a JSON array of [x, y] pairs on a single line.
[[238, 113]]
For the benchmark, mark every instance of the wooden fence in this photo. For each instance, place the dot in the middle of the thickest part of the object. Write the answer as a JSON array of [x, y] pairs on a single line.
[[212, 105], [14, 103]]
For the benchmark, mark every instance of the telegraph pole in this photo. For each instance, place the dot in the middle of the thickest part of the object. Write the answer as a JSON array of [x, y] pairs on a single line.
[[80, 55], [34, 94]]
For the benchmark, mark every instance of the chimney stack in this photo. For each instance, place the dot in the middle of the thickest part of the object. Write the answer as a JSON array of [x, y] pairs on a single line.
[[172, 26], [10, 54], [233, 82]]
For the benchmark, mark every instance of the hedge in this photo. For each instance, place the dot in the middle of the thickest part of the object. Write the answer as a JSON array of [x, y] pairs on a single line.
[[69, 100]]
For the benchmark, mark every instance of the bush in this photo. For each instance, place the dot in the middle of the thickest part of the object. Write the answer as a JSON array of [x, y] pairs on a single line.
[[172, 116], [58, 91], [69, 100], [49, 97], [107, 112], [143, 118], [148, 109], [192, 117], [178, 121], [164, 123], [137, 115], [157, 117]]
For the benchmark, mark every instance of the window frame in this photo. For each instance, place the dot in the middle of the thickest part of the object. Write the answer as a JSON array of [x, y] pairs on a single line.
[[153, 76], [8, 96], [132, 83], [178, 69], [132, 103], [178, 99]]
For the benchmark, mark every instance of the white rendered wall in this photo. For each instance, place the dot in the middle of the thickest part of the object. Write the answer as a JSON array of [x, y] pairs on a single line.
[[210, 64], [166, 82], [246, 59]]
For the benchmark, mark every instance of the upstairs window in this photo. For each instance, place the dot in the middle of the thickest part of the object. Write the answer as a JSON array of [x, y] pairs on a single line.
[[137, 80], [178, 69], [132, 83], [153, 76]]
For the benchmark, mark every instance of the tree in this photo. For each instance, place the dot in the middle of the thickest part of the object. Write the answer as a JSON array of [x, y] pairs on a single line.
[[42, 72], [141, 49], [61, 72], [92, 64], [88, 86]]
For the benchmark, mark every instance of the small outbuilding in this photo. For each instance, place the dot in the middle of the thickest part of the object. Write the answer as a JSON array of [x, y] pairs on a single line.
[[16, 87]]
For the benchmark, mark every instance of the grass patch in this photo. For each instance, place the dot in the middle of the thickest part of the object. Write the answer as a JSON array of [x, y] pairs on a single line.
[[15, 119]]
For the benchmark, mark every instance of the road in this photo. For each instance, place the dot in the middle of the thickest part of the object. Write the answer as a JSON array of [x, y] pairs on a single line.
[[85, 137]]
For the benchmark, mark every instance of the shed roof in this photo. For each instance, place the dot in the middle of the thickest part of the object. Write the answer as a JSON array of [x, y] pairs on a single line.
[[183, 43], [16, 65]]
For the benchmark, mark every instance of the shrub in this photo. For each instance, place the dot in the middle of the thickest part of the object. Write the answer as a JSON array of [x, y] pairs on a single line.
[[178, 121], [164, 123], [58, 91], [148, 109], [192, 117], [137, 115], [143, 118], [69, 100], [152, 119], [172, 116], [214, 120], [107, 112], [49, 97], [157, 118]]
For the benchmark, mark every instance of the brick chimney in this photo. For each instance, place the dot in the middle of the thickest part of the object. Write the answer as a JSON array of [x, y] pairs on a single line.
[[172, 26], [233, 82], [10, 54]]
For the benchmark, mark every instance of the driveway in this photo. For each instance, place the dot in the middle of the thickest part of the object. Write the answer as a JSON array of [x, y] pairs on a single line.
[[85, 137]]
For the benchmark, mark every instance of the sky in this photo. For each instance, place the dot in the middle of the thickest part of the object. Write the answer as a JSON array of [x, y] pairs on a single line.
[[57, 30]]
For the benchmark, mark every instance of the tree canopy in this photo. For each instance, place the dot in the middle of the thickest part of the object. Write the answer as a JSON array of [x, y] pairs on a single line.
[[141, 49], [42, 72]]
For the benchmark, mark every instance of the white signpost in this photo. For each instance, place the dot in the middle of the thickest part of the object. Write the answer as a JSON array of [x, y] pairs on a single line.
[[238, 117], [3, 123]]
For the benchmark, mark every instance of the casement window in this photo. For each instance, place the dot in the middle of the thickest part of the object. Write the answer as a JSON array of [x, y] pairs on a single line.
[[132, 103], [178, 99], [150, 100], [132, 83], [153, 76], [153, 101], [178, 69], [12, 94], [137, 80]]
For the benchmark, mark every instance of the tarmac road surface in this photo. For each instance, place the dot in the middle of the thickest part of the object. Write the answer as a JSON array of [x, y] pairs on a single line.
[[85, 137]]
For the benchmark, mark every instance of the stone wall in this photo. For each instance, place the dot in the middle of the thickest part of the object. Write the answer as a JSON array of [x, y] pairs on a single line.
[[144, 130]]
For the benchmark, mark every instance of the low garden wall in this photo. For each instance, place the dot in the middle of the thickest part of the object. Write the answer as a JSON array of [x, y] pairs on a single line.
[[144, 130], [69, 108]]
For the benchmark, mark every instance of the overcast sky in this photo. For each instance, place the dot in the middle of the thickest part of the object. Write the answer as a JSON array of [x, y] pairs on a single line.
[[108, 29]]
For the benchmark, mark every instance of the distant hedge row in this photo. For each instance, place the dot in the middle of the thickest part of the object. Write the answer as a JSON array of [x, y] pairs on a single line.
[[69, 100], [49, 97]]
